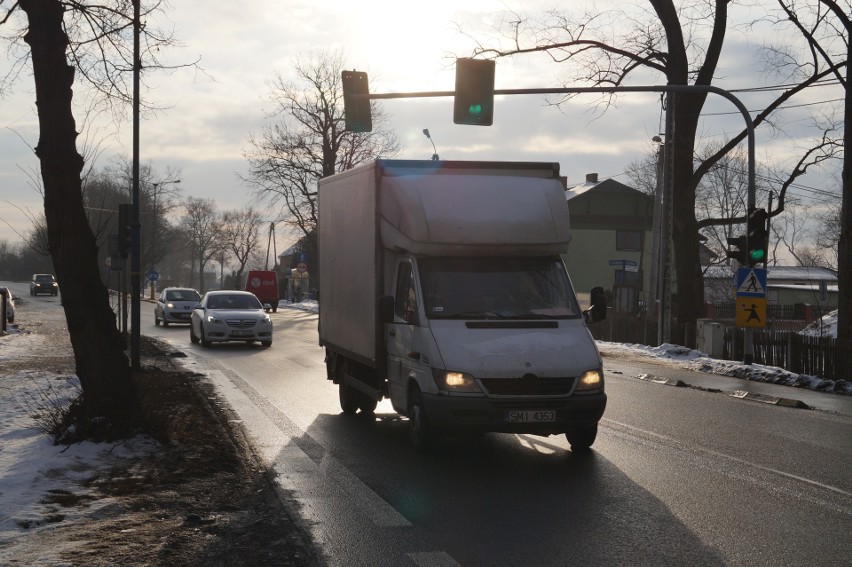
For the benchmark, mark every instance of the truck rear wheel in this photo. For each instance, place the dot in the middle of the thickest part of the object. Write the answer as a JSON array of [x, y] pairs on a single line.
[[582, 439], [348, 398], [367, 404], [419, 431]]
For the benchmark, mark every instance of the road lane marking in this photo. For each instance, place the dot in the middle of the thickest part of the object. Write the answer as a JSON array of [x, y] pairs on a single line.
[[433, 559], [297, 457], [675, 442]]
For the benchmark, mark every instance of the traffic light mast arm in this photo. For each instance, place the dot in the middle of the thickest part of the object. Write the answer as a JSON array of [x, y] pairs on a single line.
[[619, 89]]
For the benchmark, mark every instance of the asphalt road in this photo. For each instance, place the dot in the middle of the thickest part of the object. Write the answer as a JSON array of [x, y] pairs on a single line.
[[678, 476]]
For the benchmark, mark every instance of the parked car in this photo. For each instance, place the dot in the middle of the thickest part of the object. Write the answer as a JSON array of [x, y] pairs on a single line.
[[175, 305], [10, 305], [43, 283], [227, 315]]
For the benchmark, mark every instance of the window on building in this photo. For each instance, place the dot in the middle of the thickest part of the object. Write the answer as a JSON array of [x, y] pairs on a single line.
[[630, 240]]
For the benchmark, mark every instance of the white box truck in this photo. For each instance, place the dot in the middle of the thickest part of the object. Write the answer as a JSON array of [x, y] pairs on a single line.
[[442, 288]]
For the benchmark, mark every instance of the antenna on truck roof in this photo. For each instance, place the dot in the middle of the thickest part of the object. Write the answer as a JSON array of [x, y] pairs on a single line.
[[435, 155]]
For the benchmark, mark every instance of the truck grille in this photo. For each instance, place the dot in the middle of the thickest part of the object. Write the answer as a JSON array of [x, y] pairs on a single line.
[[529, 385], [241, 323]]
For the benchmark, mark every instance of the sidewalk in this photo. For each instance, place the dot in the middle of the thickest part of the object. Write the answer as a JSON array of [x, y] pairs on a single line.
[[693, 369]]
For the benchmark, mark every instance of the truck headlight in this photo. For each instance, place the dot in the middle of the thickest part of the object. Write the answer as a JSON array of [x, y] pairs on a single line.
[[590, 380], [450, 381]]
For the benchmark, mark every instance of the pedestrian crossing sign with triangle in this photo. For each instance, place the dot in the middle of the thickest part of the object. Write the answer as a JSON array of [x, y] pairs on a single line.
[[751, 282]]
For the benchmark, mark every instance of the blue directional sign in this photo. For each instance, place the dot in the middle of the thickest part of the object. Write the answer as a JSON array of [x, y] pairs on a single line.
[[153, 276], [751, 282]]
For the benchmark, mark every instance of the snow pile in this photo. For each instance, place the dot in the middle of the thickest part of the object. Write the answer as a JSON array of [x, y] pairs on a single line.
[[42, 484], [699, 362], [825, 327]]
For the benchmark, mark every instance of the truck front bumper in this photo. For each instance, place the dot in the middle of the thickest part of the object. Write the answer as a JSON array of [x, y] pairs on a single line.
[[510, 414]]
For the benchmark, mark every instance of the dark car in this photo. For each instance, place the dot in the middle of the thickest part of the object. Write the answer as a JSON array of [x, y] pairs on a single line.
[[44, 283]]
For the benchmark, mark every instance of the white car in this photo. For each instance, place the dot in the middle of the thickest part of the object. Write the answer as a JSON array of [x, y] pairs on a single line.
[[10, 305], [227, 316], [175, 305]]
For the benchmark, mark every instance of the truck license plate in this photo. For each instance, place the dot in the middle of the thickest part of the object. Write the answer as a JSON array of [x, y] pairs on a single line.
[[528, 416]]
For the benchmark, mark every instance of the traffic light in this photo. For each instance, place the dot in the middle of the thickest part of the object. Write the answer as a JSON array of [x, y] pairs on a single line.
[[356, 110], [124, 213], [757, 236], [474, 98], [737, 249]]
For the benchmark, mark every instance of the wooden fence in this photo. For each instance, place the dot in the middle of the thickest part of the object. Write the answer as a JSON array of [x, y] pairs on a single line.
[[816, 356]]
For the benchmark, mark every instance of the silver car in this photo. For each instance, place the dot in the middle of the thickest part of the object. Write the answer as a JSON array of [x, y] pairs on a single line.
[[10, 305], [226, 315], [174, 305]]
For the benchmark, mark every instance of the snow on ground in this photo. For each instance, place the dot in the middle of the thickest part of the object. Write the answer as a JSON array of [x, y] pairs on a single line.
[[36, 476]]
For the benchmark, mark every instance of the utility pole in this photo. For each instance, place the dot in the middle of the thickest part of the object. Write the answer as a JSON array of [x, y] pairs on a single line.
[[135, 260]]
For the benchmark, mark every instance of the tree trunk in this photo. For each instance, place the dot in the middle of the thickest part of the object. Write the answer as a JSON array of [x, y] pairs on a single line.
[[101, 364], [844, 246]]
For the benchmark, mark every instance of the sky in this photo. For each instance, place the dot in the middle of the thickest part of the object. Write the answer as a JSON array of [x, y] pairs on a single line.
[[31, 466], [207, 116]]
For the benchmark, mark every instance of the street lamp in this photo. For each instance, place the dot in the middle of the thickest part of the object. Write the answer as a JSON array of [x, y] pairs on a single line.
[[152, 274]]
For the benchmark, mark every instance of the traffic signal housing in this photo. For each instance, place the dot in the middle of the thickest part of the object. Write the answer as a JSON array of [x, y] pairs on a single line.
[[474, 95], [737, 249], [124, 213], [757, 236], [356, 109]]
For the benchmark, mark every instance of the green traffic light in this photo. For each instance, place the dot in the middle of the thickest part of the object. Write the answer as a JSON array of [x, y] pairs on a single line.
[[474, 109], [757, 255]]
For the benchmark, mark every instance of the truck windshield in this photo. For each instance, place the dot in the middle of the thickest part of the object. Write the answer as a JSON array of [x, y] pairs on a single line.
[[497, 288]]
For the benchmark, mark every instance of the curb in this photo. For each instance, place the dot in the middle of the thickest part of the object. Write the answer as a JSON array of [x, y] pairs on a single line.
[[772, 400], [739, 394], [663, 381]]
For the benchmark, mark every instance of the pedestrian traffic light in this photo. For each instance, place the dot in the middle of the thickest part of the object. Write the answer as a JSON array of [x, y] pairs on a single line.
[[737, 249], [757, 236], [356, 109], [474, 96], [124, 213]]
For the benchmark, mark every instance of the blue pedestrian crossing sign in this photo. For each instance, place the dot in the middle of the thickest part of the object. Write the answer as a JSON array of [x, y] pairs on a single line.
[[751, 282]]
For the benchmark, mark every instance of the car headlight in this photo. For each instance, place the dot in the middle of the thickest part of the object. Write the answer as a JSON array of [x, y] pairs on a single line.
[[170, 305], [591, 380], [450, 381], [213, 320], [266, 319]]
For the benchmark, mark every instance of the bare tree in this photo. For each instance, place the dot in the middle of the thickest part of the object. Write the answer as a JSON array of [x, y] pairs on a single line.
[[203, 229], [308, 141], [240, 234], [682, 42], [88, 40], [826, 26]]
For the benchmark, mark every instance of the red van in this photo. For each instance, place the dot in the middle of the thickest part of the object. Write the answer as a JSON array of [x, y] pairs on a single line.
[[264, 284]]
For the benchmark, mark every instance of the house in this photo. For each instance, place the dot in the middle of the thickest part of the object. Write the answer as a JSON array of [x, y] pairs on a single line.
[[611, 242], [785, 286]]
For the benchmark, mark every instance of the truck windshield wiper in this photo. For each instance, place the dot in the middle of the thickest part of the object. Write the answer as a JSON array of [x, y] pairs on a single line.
[[475, 315]]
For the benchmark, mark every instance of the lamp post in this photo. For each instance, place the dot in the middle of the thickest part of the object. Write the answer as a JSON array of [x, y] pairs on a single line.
[[153, 282]]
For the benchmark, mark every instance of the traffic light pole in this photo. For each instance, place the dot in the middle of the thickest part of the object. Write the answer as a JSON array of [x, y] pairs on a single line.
[[748, 345]]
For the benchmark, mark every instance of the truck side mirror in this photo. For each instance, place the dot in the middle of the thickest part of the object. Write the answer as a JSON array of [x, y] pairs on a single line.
[[597, 311], [385, 308]]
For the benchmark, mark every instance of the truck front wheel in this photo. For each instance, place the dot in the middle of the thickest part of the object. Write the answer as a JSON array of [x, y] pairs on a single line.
[[582, 439], [419, 431]]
